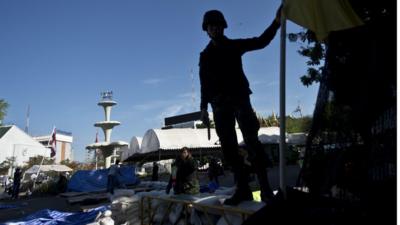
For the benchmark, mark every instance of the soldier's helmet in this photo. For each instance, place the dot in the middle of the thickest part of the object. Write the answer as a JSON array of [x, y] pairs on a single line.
[[213, 17]]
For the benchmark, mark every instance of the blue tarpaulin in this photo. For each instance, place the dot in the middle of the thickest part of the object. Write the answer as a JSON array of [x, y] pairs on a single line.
[[54, 217], [96, 180], [9, 206]]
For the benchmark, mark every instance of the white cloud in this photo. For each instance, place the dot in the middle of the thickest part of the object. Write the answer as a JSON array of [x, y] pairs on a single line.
[[186, 95], [159, 109], [151, 105], [153, 81], [170, 111]]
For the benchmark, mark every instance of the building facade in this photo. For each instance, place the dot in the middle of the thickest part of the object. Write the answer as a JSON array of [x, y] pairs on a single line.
[[63, 145]]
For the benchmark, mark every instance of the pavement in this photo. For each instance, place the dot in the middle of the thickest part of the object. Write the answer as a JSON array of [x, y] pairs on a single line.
[[27, 205]]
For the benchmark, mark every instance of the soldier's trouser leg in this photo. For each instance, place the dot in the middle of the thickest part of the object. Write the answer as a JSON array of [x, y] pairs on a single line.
[[249, 126], [224, 118]]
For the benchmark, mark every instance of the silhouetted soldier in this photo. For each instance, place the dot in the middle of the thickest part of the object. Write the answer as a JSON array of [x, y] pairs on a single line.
[[154, 175], [17, 183], [112, 180], [225, 86], [214, 170]]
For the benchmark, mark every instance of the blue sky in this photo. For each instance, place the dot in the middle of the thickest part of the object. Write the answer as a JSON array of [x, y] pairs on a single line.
[[57, 56]]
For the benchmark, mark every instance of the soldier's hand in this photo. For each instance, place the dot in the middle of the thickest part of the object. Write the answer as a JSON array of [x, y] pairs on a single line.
[[204, 117]]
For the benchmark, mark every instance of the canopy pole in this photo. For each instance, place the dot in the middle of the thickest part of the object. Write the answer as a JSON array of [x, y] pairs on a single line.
[[37, 173], [282, 107]]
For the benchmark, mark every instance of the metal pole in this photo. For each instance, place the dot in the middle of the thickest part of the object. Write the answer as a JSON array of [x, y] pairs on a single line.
[[95, 155], [282, 108], [13, 162], [37, 173]]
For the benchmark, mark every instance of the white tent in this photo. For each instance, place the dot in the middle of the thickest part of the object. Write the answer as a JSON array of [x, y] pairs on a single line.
[[266, 135], [14, 142], [172, 139], [135, 145], [134, 148], [126, 152], [46, 168], [155, 139]]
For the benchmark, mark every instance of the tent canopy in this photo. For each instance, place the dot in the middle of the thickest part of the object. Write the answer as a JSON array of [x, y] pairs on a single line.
[[47, 168], [136, 142], [172, 139], [155, 139], [134, 148]]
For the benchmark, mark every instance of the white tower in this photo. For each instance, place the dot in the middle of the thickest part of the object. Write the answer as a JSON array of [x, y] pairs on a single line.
[[107, 147]]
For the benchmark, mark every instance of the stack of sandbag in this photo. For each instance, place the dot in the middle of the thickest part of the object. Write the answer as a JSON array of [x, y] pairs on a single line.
[[158, 207], [104, 218], [225, 191], [155, 185], [200, 215], [120, 193], [236, 219], [126, 210]]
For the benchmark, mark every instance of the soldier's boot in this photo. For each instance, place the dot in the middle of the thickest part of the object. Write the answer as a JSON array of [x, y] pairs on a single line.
[[242, 192], [240, 195], [266, 191]]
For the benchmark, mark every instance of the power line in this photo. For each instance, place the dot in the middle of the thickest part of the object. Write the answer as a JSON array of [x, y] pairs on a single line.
[[193, 91]]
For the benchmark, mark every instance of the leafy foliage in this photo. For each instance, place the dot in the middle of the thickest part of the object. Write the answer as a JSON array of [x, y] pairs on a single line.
[[71, 164], [6, 164], [298, 125], [293, 124], [314, 51], [37, 160]]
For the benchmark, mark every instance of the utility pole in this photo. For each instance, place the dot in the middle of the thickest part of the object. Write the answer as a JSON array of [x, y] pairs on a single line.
[[27, 119]]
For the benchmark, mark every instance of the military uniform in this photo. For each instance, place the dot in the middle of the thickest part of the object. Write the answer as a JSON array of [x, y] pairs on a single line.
[[225, 86]]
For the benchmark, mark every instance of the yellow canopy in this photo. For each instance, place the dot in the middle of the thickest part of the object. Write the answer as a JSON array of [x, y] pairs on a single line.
[[321, 16]]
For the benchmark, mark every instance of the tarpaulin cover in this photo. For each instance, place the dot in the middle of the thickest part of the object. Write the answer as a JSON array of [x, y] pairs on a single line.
[[52, 217], [9, 206], [96, 180]]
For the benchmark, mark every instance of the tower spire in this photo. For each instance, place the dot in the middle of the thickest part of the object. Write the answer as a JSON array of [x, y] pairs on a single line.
[[298, 110]]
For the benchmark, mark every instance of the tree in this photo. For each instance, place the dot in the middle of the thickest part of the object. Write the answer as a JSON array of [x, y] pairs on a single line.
[[314, 51], [293, 124], [269, 121], [6, 164], [37, 160], [3, 109], [298, 125], [71, 164]]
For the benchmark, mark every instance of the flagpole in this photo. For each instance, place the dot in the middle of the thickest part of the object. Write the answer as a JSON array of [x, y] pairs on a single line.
[[41, 163], [95, 151], [282, 106]]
